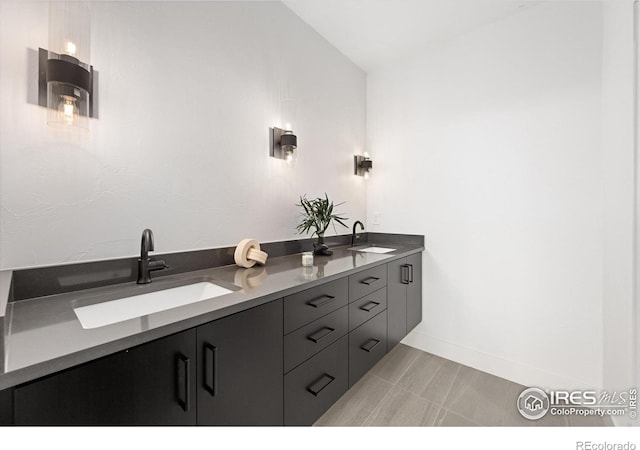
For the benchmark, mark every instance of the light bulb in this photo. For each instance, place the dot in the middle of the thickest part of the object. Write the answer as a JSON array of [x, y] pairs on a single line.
[[68, 109], [70, 48], [289, 157], [287, 126], [366, 155], [366, 175]]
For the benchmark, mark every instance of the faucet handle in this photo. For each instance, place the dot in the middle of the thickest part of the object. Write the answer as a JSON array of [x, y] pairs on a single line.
[[158, 264]]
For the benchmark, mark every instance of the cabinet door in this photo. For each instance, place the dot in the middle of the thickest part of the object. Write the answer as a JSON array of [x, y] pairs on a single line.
[[162, 377], [146, 385], [397, 282], [240, 360], [6, 407], [414, 291]]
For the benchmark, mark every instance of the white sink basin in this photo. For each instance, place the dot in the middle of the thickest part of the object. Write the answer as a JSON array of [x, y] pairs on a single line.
[[107, 313], [374, 249]]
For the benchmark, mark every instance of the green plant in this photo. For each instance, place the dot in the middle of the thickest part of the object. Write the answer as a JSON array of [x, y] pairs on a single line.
[[317, 214]]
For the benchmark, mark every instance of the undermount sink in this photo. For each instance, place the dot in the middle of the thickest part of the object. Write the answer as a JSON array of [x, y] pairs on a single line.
[[131, 307], [373, 249]]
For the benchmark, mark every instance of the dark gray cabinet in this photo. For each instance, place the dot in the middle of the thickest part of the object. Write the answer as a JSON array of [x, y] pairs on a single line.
[[367, 307], [6, 407], [414, 291], [366, 282], [306, 341], [147, 385], [396, 302], [240, 368], [312, 387], [227, 372], [367, 344], [316, 352], [404, 297], [367, 320], [311, 304]]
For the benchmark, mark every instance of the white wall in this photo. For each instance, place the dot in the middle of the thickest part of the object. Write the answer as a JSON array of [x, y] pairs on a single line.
[[619, 184], [188, 91], [636, 301], [489, 144]]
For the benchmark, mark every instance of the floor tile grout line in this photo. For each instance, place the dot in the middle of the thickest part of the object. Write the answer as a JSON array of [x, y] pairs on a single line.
[[379, 404], [446, 396], [460, 415], [435, 375], [415, 358]]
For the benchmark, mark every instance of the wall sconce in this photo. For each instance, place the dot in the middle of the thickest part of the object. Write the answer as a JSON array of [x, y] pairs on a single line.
[[65, 78], [362, 165], [282, 144]]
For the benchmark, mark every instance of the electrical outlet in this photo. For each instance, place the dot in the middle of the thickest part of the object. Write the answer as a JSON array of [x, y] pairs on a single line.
[[376, 218]]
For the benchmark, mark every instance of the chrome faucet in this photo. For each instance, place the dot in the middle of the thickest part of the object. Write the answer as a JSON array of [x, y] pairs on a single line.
[[145, 264], [355, 236]]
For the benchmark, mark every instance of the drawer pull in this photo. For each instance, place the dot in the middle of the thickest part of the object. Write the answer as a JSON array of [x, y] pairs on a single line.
[[410, 273], [320, 334], [317, 387], [321, 301], [370, 345], [406, 279], [369, 281], [210, 368], [184, 382], [369, 306]]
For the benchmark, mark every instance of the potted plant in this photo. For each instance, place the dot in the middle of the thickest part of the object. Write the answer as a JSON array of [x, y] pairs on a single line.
[[317, 214]]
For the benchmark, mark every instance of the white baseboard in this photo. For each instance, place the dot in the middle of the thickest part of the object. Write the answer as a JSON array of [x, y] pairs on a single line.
[[495, 365]]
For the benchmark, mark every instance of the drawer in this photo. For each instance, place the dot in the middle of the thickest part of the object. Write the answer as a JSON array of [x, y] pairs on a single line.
[[367, 281], [305, 342], [367, 344], [313, 387], [309, 305], [367, 307]]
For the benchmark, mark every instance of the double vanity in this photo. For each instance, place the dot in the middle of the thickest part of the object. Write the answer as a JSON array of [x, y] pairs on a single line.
[[270, 345]]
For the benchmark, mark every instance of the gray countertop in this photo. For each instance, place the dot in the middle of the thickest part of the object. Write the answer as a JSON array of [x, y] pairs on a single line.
[[43, 335]]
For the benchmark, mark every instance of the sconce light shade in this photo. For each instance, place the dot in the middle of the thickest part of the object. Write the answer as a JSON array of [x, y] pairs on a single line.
[[289, 141], [362, 165], [282, 144], [65, 81]]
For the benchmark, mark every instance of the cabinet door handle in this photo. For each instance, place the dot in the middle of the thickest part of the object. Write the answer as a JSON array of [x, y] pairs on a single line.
[[369, 306], [410, 273], [320, 334], [322, 382], [404, 274], [369, 281], [320, 301], [183, 382], [370, 345], [210, 369]]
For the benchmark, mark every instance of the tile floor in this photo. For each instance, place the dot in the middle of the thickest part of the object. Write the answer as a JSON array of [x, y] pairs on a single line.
[[409, 387]]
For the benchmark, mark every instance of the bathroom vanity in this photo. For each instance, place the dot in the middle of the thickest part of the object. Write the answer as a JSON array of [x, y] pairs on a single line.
[[279, 348]]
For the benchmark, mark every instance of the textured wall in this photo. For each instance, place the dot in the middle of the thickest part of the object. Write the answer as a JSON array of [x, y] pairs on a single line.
[[188, 91]]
